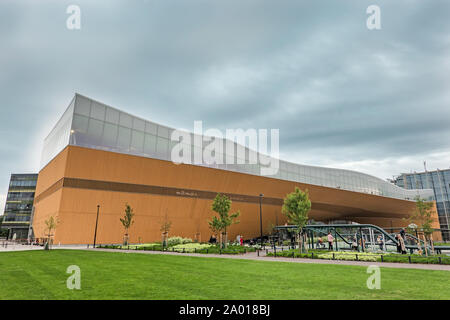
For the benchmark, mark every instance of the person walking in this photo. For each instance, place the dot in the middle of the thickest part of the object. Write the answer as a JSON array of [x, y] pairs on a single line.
[[399, 246], [320, 243], [330, 241], [293, 242], [354, 244], [403, 234], [241, 240], [402, 245], [380, 242]]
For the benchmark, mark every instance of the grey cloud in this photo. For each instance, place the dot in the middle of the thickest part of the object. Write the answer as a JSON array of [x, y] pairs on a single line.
[[337, 91]]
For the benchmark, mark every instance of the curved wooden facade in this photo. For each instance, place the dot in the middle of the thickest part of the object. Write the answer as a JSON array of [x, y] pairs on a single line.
[[78, 179]]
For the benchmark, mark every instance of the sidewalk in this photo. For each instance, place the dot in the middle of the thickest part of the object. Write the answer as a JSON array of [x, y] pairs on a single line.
[[253, 256], [11, 246], [18, 247]]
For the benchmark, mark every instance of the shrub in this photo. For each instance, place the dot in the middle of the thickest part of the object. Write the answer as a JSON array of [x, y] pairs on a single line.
[[151, 246], [191, 247], [173, 241], [289, 254], [416, 259], [186, 240], [231, 249], [349, 256]]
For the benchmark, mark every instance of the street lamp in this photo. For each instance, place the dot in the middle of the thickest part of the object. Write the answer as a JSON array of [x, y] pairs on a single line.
[[96, 223], [260, 217]]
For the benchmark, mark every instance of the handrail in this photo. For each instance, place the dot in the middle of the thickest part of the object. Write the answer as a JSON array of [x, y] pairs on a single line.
[[387, 235]]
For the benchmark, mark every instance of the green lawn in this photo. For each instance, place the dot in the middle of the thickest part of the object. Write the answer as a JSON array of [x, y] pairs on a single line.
[[111, 275]]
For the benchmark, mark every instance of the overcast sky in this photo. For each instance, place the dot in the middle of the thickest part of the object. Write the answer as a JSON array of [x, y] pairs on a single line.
[[376, 101]]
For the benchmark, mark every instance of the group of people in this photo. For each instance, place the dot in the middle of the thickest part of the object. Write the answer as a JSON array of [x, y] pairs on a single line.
[[239, 239], [213, 239], [330, 240], [400, 237]]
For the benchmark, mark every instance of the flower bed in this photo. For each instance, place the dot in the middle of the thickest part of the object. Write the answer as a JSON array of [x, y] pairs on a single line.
[[363, 256], [190, 247]]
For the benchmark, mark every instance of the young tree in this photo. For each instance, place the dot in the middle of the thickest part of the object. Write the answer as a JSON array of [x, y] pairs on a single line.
[[165, 228], [51, 224], [422, 217], [222, 205], [214, 225], [296, 207], [127, 221]]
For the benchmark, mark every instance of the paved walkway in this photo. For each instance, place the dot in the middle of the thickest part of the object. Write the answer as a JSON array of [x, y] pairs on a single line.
[[253, 256], [10, 246]]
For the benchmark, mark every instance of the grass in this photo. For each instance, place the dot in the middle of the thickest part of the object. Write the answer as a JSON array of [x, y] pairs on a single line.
[[117, 275]]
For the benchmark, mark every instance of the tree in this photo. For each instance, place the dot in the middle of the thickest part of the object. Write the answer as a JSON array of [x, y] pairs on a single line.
[[296, 207], [165, 228], [51, 224], [127, 221], [215, 225], [422, 217], [222, 205]]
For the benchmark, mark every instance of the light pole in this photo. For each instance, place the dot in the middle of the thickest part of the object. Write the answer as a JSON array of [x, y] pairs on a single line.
[[260, 217], [96, 223]]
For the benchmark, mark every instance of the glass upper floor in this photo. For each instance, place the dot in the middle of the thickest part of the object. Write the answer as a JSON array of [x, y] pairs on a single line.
[[89, 123]]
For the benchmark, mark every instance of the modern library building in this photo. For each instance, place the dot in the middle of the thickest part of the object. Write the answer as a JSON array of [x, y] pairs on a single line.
[[97, 155]]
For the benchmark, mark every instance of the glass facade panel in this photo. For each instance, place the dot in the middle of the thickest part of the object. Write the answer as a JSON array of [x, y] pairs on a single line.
[[95, 131], [151, 128], [83, 106], [137, 141], [112, 116], [98, 111], [59, 137], [126, 120], [150, 145], [110, 133], [80, 123], [124, 138], [163, 132], [138, 124], [162, 147]]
